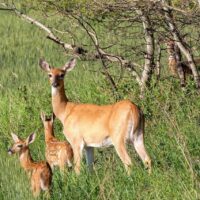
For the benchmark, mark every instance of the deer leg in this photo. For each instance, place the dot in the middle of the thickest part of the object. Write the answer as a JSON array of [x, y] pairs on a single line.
[[35, 188], [89, 151], [77, 149], [47, 194], [140, 149], [62, 161], [122, 153], [62, 166]]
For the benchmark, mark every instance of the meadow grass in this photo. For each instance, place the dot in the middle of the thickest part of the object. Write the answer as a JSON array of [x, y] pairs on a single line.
[[172, 125]]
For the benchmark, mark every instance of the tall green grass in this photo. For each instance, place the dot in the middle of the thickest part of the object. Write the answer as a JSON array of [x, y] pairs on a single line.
[[172, 125]]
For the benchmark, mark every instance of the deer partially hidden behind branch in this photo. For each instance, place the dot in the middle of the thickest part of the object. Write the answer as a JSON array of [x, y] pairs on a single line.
[[41, 174], [90, 125], [58, 153], [177, 67]]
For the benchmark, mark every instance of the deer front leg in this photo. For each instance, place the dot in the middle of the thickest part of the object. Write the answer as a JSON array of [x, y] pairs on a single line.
[[35, 187], [77, 149]]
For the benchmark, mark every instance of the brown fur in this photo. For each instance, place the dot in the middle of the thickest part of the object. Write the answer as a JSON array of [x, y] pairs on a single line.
[[58, 153], [40, 172], [96, 126]]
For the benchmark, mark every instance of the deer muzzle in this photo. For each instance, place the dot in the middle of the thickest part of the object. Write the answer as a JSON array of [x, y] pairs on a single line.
[[10, 152]]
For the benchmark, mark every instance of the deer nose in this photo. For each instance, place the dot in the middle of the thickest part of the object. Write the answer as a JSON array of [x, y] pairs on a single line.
[[10, 151], [55, 84]]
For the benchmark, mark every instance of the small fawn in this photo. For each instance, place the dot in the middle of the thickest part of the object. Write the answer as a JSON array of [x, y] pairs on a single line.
[[177, 67], [90, 125], [41, 174], [58, 153]]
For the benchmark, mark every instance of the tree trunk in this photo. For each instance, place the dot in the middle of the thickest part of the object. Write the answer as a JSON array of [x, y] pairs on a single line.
[[149, 57], [181, 44]]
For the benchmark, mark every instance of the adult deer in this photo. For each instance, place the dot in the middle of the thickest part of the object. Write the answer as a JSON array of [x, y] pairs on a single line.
[[41, 174], [89, 125]]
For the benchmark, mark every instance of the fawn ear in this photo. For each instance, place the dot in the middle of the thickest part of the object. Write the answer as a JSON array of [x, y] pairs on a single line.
[[42, 115], [69, 65], [15, 137], [44, 65], [30, 139]]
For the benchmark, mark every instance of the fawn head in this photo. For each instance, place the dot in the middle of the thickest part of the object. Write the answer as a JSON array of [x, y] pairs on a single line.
[[56, 75], [47, 121], [20, 144]]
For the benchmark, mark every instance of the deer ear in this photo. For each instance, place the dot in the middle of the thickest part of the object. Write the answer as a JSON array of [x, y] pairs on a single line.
[[30, 139], [15, 137], [69, 65], [44, 65]]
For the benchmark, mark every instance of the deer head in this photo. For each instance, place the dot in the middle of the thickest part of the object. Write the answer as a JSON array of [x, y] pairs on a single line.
[[56, 75], [47, 121], [20, 144]]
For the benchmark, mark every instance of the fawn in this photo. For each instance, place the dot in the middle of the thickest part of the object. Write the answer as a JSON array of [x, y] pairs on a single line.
[[58, 153], [177, 67], [89, 125], [41, 174]]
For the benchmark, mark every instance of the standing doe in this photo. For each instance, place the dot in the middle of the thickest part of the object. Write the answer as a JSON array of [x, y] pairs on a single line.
[[41, 174], [89, 125], [58, 153]]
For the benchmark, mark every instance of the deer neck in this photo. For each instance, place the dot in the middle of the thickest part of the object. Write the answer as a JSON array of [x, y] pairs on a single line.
[[26, 160], [59, 102], [49, 134]]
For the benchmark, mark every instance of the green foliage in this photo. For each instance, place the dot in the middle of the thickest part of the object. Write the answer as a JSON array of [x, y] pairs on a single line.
[[172, 124]]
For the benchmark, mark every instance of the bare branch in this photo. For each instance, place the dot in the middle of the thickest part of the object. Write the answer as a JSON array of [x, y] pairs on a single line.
[[181, 44], [50, 34]]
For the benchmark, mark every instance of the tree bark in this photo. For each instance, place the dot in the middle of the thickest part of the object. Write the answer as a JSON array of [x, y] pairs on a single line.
[[149, 57], [158, 57]]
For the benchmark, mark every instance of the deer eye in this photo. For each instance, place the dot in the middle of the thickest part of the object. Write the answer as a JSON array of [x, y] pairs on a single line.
[[62, 76], [50, 75], [20, 145]]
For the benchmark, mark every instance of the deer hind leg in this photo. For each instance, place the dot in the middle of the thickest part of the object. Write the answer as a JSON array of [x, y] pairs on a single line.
[[122, 153], [138, 142], [118, 137], [119, 140], [140, 149]]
